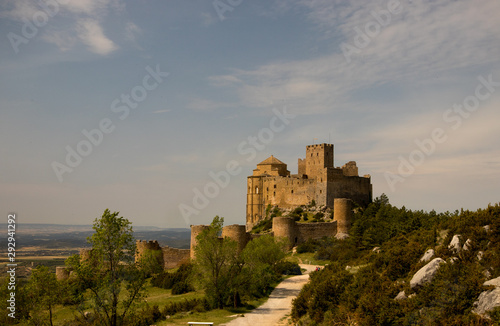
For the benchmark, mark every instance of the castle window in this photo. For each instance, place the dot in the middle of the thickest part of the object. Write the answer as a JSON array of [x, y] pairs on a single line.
[[292, 191], [274, 193], [256, 190], [267, 188], [321, 191], [274, 186]]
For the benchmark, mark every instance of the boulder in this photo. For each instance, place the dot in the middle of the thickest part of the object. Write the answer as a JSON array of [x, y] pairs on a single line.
[[480, 255], [455, 244], [426, 273], [341, 236], [401, 296], [488, 300], [493, 282], [376, 250], [428, 255], [467, 245]]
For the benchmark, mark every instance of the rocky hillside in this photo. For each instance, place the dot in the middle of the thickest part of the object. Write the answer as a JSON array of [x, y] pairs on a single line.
[[402, 267]]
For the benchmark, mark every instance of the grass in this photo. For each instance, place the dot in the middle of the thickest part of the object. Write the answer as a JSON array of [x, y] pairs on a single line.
[[306, 258], [62, 315], [217, 316]]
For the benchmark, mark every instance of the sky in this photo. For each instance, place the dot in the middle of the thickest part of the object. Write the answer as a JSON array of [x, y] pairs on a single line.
[[160, 109]]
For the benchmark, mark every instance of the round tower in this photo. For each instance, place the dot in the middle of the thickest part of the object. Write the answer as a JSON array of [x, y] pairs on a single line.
[[342, 213], [284, 227], [236, 233], [62, 273], [195, 230], [85, 254], [143, 246]]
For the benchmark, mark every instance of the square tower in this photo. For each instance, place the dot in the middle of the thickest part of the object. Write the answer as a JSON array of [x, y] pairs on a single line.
[[319, 157]]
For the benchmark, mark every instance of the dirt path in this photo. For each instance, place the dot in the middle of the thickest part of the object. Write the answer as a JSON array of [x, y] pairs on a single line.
[[279, 303]]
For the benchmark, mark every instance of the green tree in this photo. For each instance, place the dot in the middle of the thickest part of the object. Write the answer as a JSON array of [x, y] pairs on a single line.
[[261, 257], [114, 281], [44, 290], [216, 260]]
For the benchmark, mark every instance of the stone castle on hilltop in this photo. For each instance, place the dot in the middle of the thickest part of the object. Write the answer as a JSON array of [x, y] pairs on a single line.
[[317, 181], [271, 185]]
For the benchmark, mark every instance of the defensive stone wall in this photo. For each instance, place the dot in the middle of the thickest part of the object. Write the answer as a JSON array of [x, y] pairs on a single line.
[[319, 230], [173, 257]]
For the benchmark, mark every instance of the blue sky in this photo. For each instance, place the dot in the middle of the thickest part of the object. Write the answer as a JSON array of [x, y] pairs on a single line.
[[408, 89]]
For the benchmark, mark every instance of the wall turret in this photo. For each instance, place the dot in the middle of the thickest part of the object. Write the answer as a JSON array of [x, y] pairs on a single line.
[[236, 233], [342, 213], [284, 227], [195, 230]]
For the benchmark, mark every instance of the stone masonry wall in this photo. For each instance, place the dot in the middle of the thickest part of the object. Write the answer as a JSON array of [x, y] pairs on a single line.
[[307, 231], [173, 257]]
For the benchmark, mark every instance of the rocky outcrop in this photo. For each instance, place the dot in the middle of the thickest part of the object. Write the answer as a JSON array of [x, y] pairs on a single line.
[[426, 273], [428, 255], [488, 300], [455, 244]]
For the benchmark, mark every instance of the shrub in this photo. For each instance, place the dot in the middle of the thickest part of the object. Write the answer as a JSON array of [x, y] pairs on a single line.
[[178, 280], [288, 268]]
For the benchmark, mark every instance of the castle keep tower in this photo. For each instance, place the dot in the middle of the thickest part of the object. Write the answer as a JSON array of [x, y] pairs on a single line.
[[317, 180], [318, 158]]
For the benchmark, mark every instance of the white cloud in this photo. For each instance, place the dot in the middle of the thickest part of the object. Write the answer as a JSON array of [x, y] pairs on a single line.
[[132, 31], [90, 32], [424, 41], [71, 22], [208, 19]]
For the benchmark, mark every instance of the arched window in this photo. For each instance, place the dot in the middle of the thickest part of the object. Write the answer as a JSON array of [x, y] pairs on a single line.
[[256, 190]]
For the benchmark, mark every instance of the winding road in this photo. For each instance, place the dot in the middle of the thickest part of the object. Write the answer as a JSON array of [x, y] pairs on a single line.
[[279, 303]]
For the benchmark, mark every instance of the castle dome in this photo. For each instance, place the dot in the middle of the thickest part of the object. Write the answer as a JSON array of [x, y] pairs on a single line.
[[271, 160]]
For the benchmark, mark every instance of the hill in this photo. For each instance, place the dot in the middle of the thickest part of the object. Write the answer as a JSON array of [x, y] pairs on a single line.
[[380, 276]]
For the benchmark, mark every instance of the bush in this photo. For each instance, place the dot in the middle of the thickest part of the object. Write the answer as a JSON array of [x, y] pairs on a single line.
[[309, 246], [287, 268], [182, 287], [178, 280], [172, 308]]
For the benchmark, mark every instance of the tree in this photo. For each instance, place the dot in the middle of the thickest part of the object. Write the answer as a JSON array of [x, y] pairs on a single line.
[[216, 260], [44, 289], [114, 281]]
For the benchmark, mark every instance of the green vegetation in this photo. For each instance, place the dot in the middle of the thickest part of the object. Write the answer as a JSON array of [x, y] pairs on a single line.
[[108, 288], [179, 281], [359, 285], [267, 224], [114, 283], [230, 277]]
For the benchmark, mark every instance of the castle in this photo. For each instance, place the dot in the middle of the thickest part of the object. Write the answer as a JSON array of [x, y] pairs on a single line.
[[317, 180], [271, 184]]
